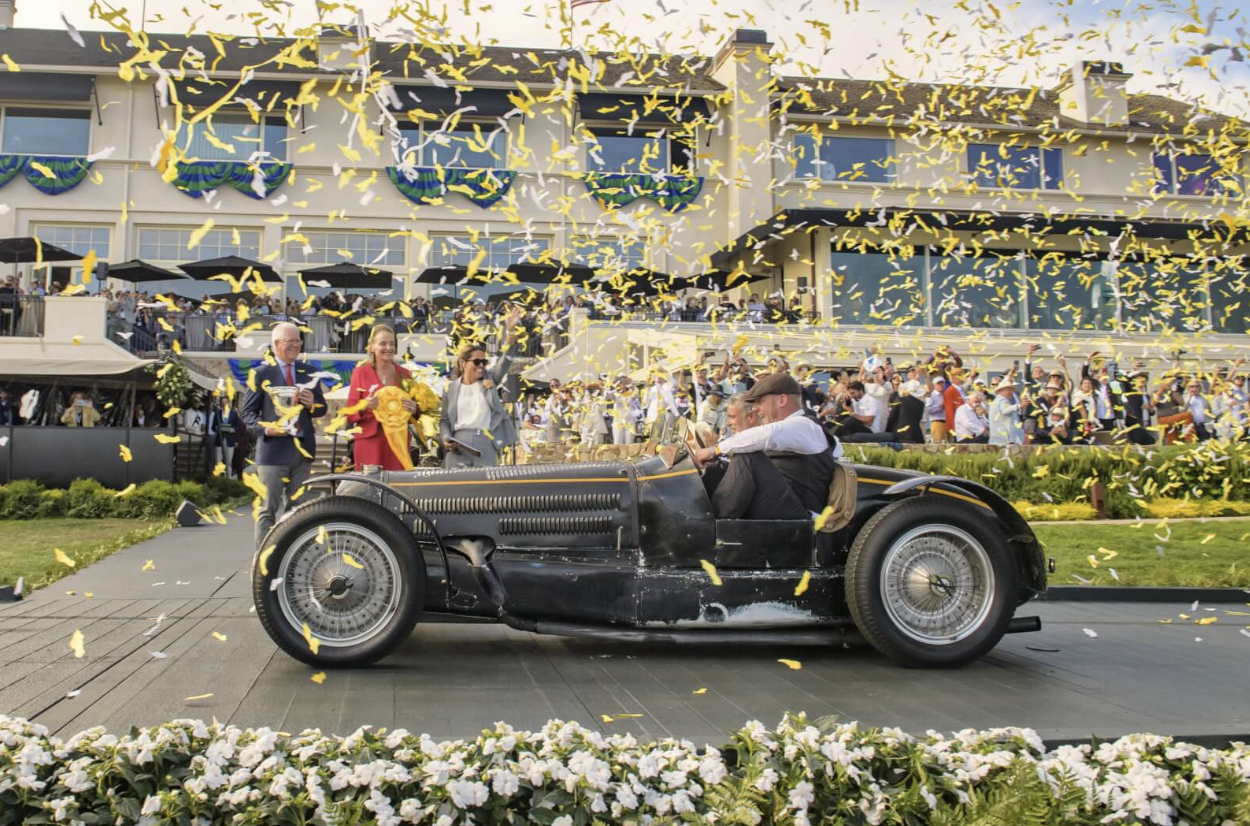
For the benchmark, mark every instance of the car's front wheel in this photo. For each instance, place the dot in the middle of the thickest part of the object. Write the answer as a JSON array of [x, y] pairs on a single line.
[[339, 582], [931, 582]]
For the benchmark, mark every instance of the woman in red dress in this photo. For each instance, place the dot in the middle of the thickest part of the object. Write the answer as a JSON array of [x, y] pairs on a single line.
[[371, 446]]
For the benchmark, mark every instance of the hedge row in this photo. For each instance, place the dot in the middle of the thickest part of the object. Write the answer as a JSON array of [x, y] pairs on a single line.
[[1132, 476], [187, 772], [88, 499]]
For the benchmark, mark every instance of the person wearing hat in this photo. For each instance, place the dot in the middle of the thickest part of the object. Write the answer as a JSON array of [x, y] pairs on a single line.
[[1139, 408], [935, 407], [712, 409], [954, 395], [626, 411], [1006, 413], [774, 467], [813, 398], [971, 423]]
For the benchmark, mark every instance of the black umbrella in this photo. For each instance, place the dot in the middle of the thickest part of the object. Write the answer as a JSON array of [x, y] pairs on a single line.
[[642, 283], [717, 281], [441, 275], [137, 272], [533, 273], [24, 250], [348, 276], [229, 265]]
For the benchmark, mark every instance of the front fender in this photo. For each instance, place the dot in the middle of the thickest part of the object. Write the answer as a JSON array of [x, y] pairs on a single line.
[[1018, 530]]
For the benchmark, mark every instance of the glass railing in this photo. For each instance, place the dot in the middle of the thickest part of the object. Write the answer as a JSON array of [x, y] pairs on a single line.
[[21, 315]]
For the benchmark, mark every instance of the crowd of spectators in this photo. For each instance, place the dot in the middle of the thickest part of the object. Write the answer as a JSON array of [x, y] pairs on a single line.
[[937, 400]]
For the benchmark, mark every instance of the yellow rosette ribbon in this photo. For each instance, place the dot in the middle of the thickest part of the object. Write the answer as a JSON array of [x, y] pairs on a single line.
[[394, 419]]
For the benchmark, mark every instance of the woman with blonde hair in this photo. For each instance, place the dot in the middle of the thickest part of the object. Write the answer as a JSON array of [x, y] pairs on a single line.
[[474, 426], [371, 445]]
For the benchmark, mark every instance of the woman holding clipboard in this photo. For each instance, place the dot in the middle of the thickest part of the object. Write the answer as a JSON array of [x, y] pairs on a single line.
[[474, 426]]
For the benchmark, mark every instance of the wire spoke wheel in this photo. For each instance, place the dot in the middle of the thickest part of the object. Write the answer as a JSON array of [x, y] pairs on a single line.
[[342, 581], [937, 584]]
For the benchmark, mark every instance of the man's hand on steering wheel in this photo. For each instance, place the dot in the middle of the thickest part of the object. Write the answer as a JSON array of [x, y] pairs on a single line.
[[703, 456]]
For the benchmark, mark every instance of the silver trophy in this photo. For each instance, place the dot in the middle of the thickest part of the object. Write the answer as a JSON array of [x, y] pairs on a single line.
[[285, 402]]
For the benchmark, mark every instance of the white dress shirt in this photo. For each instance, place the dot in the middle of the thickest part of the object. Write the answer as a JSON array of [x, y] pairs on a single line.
[[879, 395], [472, 412], [794, 434], [969, 425]]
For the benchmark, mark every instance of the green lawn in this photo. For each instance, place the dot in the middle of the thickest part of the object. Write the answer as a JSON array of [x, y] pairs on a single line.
[[1224, 559], [27, 546]]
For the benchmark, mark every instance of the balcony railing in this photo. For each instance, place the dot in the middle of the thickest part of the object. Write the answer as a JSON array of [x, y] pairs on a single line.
[[21, 315]]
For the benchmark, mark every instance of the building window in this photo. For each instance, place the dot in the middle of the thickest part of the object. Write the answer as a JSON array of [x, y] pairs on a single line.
[[468, 146], [612, 255], [64, 132], [500, 252], [1230, 295], [170, 244], [878, 288], [1194, 173], [1070, 293], [651, 151], [376, 249], [77, 239], [844, 159], [236, 137], [1015, 167], [975, 291], [1161, 295]]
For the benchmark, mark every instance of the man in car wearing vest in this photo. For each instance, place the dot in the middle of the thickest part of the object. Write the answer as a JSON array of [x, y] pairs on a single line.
[[777, 470]]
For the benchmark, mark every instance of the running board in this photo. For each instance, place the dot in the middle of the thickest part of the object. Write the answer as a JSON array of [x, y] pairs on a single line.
[[713, 636]]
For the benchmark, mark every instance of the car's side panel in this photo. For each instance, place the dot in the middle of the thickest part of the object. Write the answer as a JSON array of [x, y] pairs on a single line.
[[585, 591], [676, 527], [742, 599]]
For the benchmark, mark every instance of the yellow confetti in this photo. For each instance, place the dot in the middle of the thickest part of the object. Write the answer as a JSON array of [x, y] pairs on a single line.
[[198, 235], [1207, 621], [699, 691], [264, 559], [77, 645], [166, 439], [318, 678], [1093, 563], [314, 644], [347, 558], [126, 491], [150, 565], [824, 516], [794, 665], [8, 61], [125, 453], [803, 583], [63, 558], [1108, 554], [220, 637], [195, 697], [711, 571], [1207, 539]]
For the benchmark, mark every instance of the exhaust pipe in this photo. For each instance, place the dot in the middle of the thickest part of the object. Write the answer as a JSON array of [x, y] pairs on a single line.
[[1022, 625]]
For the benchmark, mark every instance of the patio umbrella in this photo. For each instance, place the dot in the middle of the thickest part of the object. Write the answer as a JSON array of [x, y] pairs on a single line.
[[138, 272], [441, 275], [717, 281], [346, 275], [532, 273], [24, 250], [229, 265]]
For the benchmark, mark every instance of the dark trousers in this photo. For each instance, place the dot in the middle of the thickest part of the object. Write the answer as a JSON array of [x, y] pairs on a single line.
[[751, 487]]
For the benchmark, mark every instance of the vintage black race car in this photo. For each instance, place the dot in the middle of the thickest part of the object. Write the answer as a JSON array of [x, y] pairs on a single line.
[[930, 570]]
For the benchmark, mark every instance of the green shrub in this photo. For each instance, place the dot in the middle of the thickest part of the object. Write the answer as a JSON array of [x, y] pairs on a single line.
[[88, 499], [21, 499]]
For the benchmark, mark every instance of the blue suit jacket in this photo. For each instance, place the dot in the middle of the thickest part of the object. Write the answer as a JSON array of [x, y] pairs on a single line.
[[258, 407]]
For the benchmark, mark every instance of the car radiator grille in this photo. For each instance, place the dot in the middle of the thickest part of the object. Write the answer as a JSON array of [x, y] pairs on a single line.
[[533, 503], [581, 525]]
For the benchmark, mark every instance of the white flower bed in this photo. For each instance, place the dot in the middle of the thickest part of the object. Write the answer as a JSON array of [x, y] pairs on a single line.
[[187, 772]]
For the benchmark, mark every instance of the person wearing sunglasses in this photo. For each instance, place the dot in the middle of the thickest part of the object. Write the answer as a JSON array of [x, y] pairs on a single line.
[[473, 415]]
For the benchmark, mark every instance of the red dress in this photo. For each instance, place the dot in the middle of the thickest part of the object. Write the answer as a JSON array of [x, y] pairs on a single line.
[[371, 446]]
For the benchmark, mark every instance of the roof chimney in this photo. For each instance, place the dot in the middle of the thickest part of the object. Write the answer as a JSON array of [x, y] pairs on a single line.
[[338, 46], [1093, 92], [8, 8], [744, 40]]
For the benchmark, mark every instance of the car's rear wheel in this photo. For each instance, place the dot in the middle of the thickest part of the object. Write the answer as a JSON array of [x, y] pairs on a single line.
[[931, 582], [343, 584]]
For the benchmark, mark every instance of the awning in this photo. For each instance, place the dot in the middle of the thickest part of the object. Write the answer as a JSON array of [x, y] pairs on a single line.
[[45, 86], [199, 93], [347, 276], [490, 103], [795, 220], [646, 108]]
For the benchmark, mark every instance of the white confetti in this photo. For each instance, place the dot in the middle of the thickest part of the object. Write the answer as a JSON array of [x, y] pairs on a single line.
[[73, 693], [1091, 633], [73, 32], [273, 586], [160, 655]]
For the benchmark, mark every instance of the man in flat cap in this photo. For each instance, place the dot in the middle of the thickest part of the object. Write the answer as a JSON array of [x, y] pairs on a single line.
[[773, 467]]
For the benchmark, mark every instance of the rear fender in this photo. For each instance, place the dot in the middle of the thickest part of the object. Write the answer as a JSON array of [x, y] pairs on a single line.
[[1018, 530]]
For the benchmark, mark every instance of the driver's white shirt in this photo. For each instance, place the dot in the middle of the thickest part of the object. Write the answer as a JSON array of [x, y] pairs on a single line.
[[795, 433]]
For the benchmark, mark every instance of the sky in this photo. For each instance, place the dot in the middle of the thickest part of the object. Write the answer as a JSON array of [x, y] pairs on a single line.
[[1025, 43]]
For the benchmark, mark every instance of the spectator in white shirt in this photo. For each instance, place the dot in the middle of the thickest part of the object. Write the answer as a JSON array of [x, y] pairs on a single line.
[[661, 403], [971, 425], [1006, 414], [1198, 405]]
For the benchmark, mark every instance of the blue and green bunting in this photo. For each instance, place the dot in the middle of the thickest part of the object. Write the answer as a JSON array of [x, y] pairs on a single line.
[[49, 175], [617, 189], [424, 184], [197, 177]]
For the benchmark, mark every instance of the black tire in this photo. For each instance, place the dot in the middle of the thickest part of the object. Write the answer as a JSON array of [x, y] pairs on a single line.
[[358, 520], [946, 526]]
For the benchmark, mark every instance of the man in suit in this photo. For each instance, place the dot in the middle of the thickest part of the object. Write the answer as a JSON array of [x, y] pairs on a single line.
[[283, 461]]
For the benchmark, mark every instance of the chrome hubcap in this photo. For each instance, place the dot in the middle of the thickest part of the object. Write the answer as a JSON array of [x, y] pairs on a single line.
[[342, 581], [937, 584]]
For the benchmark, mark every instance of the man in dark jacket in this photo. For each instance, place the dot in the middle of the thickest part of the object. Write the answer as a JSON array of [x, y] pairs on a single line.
[[283, 460]]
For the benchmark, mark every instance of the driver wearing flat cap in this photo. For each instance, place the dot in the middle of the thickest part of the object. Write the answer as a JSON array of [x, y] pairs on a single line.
[[777, 470]]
